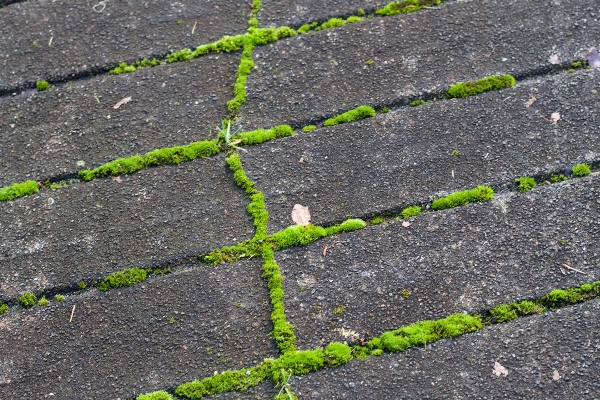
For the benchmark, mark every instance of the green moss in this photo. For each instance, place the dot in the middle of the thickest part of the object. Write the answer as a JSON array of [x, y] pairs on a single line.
[[264, 135], [466, 89], [262, 36], [315, 26], [81, 285], [577, 64], [581, 170], [360, 12], [503, 313], [283, 331], [42, 85], [253, 21], [337, 354], [480, 193], [123, 278], [339, 310], [416, 103], [557, 178], [309, 128], [3, 308], [59, 297], [376, 221], [27, 299], [352, 115], [159, 395], [525, 183], [561, 297], [404, 7], [17, 190], [43, 301], [332, 23], [244, 70], [353, 18], [412, 211], [119, 166]]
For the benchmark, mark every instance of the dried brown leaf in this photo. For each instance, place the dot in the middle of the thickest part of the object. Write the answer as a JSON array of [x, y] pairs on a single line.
[[499, 370], [301, 215], [405, 224], [555, 117], [121, 102]]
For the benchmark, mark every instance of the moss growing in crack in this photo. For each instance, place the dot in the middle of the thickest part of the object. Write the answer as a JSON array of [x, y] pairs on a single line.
[[557, 178], [332, 23], [353, 18], [283, 331], [18, 190], [158, 395], [59, 297], [262, 36], [466, 89], [503, 313], [352, 115], [411, 211], [309, 27], [525, 183], [337, 354], [478, 194], [27, 299], [264, 135], [309, 128], [416, 103], [3, 308], [244, 70], [124, 67], [123, 278], [405, 7], [561, 297], [253, 21], [581, 170], [121, 69], [377, 221], [43, 301], [42, 85]]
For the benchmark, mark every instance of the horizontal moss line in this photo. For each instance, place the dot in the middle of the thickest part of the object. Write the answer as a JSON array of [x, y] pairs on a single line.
[[336, 354], [17, 190]]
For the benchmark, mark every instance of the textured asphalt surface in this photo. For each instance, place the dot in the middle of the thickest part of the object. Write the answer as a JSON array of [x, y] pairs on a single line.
[[404, 157], [311, 77], [46, 133], [531, 349], [67, 39], [147, 337], [469, 258], [84, 232], [202, 319]]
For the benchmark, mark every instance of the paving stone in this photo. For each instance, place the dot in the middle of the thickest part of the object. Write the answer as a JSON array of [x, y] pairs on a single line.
[[394, 160], [533, 350], [311, 77], [275, 13], [85, 41], [155, 335], [469, 258], [84, 232], [45, 134]]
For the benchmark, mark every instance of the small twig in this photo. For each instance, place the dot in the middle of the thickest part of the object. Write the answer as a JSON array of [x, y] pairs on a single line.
[[194, 28], [72, 312], [50, 41], [573, 269]]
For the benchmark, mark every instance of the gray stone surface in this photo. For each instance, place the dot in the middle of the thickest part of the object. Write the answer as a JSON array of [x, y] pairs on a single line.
[[56, 239], [311, 77], [147, 337], [44, 134], [551, 356], [469, 258], [394, 160], [85, 41], [295, 13]]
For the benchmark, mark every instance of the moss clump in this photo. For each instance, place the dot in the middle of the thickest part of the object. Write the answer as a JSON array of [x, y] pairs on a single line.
[[244, 70], [42, 85], [3, 308], [352, 115], [309, 27], [581, 170], [405, 7], [557, 178], [124, 67], [309, 128], [525, 183], [121, 69], [416, 103], [27, 299], [412, 211], [332, 23], [466, 89], [82, 285], [283, 331], [264, 135], [159, 395], [503, 313], [353, 18], [480, 193], [561, 297], [337, 354], [59, 297], [376, 221], [123, 278], [43, 301], [18, 190]]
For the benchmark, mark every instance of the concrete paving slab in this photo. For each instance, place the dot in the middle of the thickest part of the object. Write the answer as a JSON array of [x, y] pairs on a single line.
[[312, 77], [63, 40], [275, 13], [549, 356], [147, 337], [395, 160], [45, 134], [56, 239], [469, 258]]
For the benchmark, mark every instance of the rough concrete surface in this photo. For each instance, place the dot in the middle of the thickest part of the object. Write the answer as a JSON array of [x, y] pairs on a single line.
[[132, 340], [312, 77], [45, 134], [404, 157], [549, 356], [68, 39], [86, 231]]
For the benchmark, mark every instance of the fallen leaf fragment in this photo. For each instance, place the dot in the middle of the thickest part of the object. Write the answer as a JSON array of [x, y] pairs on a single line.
[[405, 224], [121, 102], [532, 99], [324, 251], [593, 58], [301, 160], [117, 179], [555, 375], [499, 370], [301, 215], [553, 59], [555, 117]]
